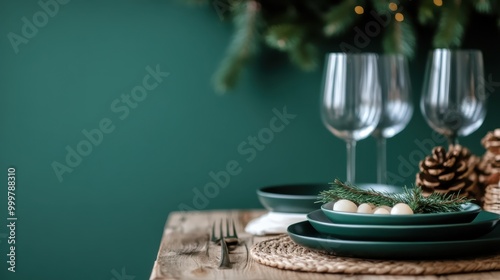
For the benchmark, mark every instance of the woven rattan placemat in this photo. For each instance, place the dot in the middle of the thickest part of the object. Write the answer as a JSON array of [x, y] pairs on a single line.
[[281, 252]]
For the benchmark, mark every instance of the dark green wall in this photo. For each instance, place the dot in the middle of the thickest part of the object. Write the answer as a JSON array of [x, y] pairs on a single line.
[[108, 213]]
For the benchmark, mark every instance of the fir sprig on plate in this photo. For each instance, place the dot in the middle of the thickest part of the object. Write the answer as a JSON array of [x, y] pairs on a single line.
[[434, 203]]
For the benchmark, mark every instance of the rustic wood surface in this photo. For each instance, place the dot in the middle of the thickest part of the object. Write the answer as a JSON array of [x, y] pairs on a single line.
[[187, 253]]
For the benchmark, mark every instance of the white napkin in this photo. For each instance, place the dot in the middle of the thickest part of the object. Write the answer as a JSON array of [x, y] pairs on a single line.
[[273, 223]]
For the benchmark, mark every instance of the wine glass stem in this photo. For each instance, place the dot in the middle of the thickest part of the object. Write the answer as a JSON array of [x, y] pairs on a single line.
[[351, 160], [381, 160], [452, 140]]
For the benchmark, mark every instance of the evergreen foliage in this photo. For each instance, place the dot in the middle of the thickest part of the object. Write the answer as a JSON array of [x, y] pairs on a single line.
[[297, 27], [434, 203]]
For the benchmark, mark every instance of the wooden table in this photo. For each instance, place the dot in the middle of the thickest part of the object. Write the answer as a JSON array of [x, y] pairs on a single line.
[[186, 253]]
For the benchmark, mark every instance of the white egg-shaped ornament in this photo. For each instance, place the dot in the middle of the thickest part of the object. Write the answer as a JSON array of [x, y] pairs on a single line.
[[381, 211], [345, 205], [371, 205], [388, 208], [401, 209], [365, 208]]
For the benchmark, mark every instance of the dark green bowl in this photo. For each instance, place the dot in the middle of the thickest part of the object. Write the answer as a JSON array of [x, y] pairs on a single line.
[[294, 198]]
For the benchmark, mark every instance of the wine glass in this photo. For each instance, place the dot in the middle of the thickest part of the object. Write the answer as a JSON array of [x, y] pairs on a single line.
[[453, 100], [351, 100], [397, 105]]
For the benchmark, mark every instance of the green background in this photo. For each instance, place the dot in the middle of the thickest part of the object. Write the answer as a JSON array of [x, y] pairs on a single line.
[[109, 213]]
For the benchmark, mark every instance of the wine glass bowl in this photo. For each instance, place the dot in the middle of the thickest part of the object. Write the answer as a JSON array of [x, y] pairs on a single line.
[[453, 99], [397, 105], [350, 99]]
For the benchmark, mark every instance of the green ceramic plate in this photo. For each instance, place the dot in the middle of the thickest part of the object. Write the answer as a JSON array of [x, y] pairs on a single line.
[[468, 213], [305, 235], [301, 198], [482, 224]]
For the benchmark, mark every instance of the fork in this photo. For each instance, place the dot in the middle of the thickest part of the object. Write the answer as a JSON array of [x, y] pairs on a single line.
[[224, 241], [224, 255], [230, 239]]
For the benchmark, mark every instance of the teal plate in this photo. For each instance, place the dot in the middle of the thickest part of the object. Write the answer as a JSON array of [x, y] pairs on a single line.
[[468, 213], [482, 224], [305, 235]]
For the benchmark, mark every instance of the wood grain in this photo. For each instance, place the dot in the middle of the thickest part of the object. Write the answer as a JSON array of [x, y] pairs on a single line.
[[187, 253]]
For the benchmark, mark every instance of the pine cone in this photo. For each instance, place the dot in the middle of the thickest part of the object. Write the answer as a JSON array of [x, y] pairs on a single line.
[[492, 198], [488, 168], [451, 172], [491, 141]]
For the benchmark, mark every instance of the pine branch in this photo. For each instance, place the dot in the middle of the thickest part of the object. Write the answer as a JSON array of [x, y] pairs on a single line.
[[243, 46], [291, 37], [434, 203], [381, 6], [341, 190], [451, 25], [305, 55], [284, 36], [496, 12], [399, 38], [483, 6], [340, 17], [426, 12], [298, 26]]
